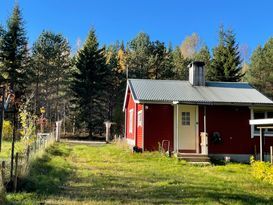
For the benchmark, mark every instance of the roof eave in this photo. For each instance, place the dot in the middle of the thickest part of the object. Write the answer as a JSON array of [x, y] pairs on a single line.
[[206, 103], [128, 86]]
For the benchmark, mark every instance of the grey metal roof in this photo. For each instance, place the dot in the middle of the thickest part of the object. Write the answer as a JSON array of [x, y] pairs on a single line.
[[144, 90]]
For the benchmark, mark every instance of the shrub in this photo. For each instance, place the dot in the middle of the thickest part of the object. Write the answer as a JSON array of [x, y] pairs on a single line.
[[7, 130], [262, 170]]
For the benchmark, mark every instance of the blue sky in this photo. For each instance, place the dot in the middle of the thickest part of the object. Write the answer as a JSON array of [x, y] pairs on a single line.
[[168, 21]]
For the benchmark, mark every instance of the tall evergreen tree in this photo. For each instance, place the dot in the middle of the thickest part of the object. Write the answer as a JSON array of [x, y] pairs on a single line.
[[159, 63], [137, 56], [14, 52], [226, 61], [117, 85], [260, 73], [51, 66], [180, 64], [90, 83]]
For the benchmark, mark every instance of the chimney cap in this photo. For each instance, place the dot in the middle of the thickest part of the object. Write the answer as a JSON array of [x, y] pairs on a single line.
[[197, 63]]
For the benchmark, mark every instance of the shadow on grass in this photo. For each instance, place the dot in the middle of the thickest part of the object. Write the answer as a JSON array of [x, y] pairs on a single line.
[[123, 190], [47, 173]]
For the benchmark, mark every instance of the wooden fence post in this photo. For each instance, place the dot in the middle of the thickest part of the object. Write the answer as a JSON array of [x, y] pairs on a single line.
[[3, 168], [16, 172]]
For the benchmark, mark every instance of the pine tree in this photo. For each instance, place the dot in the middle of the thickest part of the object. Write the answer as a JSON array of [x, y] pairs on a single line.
[[51, 65], [2, 34], [90, 83], [180, 64], [156, 62], [14, 52], [226, 62], [137, 56], [260, 73], [116, 88]]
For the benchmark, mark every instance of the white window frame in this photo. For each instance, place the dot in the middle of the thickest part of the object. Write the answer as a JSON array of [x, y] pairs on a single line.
[[131, 120], [186, 119], [139, 118], [255, 133]]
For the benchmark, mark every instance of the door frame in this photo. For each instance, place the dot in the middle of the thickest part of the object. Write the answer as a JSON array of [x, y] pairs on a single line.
[[177, 135]]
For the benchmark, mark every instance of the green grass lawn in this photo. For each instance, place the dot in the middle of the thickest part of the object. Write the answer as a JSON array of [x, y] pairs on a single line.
[[82, 174]]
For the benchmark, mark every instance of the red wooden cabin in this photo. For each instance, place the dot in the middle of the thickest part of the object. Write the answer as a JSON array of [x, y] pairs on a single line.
[[179, 111]]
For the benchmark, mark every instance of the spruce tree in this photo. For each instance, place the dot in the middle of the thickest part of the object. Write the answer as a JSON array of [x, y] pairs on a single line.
[[14, 52], [90, 83], [226, 61], [233, 65]]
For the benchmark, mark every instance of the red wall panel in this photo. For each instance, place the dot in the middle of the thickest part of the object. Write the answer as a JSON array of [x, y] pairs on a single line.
[[130, 105], [233, 125], [158, 125], [139, 129]]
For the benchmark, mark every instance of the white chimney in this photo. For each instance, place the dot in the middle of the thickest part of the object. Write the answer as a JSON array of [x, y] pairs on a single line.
[[197, 73]]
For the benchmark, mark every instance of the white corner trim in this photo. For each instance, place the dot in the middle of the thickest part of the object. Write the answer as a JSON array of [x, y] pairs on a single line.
[[139, 120], [197, 143], [125, 97], [252, 126], [131, 121]]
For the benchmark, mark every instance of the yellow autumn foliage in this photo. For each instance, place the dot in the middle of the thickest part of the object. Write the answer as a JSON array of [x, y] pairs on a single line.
[[262, 170], [7, 130]]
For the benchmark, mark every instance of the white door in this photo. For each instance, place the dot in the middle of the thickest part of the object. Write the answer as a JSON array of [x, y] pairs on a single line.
[[187, 127]]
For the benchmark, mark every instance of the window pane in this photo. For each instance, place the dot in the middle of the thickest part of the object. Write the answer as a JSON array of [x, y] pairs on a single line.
[[186, 118], [270, 115], [258, 115]]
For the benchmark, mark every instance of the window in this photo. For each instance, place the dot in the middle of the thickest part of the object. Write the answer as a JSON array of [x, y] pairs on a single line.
[[131, 116], [186, 118], [258, 114], [139, 118]]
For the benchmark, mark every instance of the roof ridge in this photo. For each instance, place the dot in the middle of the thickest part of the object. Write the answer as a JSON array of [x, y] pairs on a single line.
[[226, 82], [135, 79]]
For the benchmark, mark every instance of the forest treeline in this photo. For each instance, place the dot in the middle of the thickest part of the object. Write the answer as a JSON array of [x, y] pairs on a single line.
[[87, 87]]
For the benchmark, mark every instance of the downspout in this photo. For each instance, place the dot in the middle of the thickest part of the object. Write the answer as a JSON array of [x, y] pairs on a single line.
[[177, 128], [135, 133], [205, 119], [143, 111], [125, 123]]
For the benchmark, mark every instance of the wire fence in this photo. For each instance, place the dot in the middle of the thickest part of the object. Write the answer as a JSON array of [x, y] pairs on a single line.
[[10, 172]]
